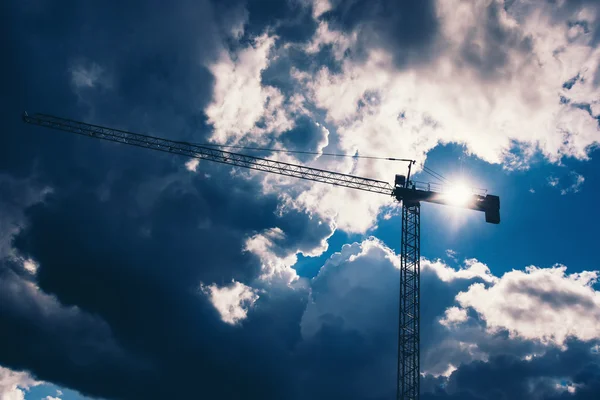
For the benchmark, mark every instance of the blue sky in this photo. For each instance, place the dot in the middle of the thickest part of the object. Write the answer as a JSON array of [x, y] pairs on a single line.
[[130, 274]]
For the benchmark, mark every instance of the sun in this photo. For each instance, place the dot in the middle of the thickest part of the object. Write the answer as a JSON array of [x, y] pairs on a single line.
[[458, 194]]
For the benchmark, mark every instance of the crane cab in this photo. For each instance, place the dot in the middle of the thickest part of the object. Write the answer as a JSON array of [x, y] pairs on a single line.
[[400, 181]]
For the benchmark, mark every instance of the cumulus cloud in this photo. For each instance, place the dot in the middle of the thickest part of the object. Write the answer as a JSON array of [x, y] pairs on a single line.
[[470, 318], [20, 194], [354, 288], [14, 384], [454, 315], [494, 86], [232, 302], [493, 81], [319, 7], [472, 269], [274, 265], [241, 106], [385, 99], [545, 304]]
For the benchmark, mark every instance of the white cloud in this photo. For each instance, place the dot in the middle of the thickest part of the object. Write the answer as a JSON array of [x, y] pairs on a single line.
[[356, 213], [542, 304], [274, 267], [51, 398], [30, 266], [570, 183], [319, 7], [450, 100], [575, 187], [471, 270], [452, 254], [324, 36], [356, 290], [498, 94], [88, 75], [232, 302], [454, 315], [241, 105], [192, 164], [553, 181], [14, 384], [357, 286]]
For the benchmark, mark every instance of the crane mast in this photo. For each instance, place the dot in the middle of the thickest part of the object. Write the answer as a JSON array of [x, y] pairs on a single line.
[[404, 190]]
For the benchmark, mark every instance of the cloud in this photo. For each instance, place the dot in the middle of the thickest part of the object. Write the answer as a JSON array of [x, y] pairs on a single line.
[[452, 254], [30, 266], [241, 106], [575, 187], [570, 183], [553, 181], [88, 75], [454, 315], [19, 194], [340, 290], [14, 384], [542, 304], [354, 297], [149, 235], [273, 266], [320, 7], [472, 269], [192, 164], [470, 93], [232, 302]]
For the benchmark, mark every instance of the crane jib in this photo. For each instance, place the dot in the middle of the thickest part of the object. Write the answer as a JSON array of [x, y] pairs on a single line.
[[211, 154]]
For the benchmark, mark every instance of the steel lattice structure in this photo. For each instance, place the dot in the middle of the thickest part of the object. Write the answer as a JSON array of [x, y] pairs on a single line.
[[210, 154], [403, 190], [409, 315]]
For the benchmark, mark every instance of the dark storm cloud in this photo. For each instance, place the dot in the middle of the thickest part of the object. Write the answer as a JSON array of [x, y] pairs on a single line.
[[407, 29], [64, 345], [306, 135], [140, 273], [151, 53], [128, 235], [291, 20], [505, 376], [341, 363], [138, 269]]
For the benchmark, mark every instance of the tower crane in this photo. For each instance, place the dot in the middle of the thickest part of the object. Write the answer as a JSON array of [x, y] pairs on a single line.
[[404, 190]]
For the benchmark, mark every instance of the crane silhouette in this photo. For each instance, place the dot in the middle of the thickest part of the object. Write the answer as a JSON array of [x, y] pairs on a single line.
[[404, 190]]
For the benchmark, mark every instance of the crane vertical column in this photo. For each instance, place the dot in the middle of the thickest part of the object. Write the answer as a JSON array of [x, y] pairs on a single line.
[[409, 318]]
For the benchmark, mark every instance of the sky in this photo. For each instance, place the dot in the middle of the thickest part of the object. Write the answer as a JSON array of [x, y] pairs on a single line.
[[132, 274]]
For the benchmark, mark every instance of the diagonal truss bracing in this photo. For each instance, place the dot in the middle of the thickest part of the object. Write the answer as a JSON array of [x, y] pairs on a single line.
[[208, 153], [409, 317]]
